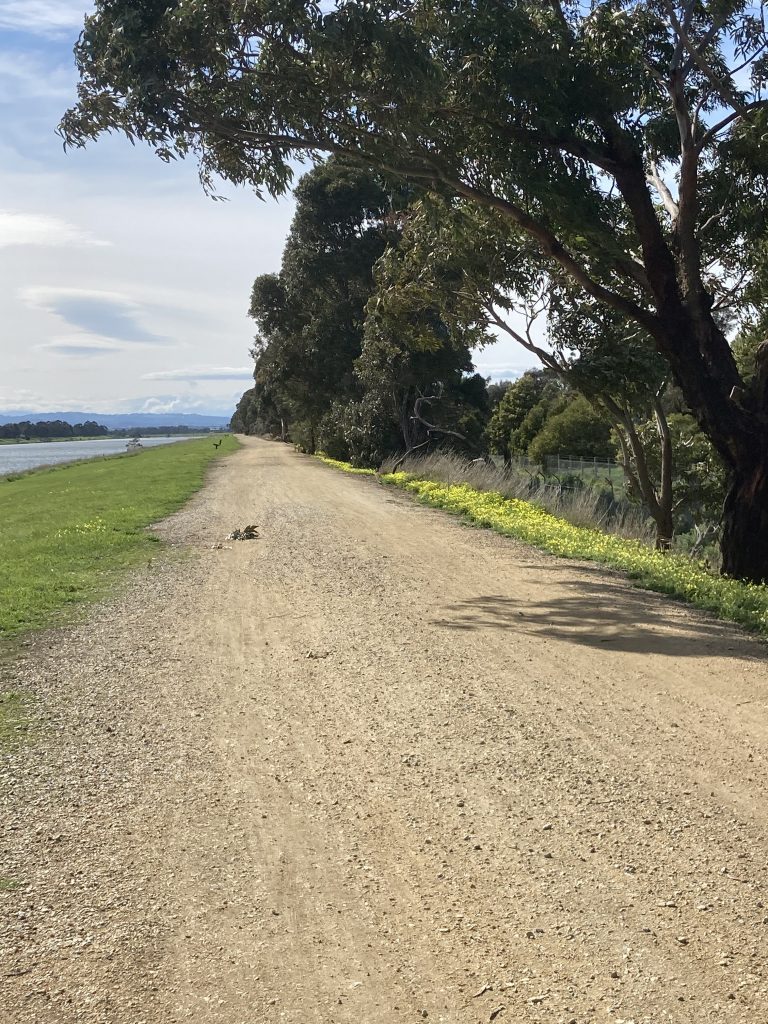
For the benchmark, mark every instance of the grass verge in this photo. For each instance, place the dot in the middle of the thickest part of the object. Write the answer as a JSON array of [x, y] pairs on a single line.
[[68, 531], [675, 575]]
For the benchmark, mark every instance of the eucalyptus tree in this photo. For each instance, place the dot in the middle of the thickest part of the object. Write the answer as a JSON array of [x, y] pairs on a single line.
[[427, 386], [621, 136], [310, 315], [481, 274]]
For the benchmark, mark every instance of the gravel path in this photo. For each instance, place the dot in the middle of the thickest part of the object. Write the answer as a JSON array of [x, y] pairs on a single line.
[[377, 767]]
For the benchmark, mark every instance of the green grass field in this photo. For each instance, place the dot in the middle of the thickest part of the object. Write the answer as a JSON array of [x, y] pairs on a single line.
[[69, 531]]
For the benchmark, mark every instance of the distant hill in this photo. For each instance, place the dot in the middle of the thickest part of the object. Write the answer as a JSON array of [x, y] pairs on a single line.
[[119, 421]]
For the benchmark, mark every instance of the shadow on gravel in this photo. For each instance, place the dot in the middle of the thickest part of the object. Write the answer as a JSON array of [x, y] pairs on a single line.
[[604, 615]]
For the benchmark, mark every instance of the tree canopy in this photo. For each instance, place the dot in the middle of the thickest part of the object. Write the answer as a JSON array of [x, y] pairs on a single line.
[[329, 371]]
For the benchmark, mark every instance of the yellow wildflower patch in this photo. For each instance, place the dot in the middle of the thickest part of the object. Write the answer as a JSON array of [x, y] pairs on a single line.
[[345, 467]]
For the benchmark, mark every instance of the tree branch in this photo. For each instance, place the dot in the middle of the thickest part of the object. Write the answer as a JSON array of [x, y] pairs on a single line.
[[546, 358], [551, 246], [715, 129], [723, 88], [665, 493], [669, 201], [680, 29], [557, 8]]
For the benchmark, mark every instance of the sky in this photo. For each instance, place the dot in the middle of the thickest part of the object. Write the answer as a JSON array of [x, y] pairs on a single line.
[[123, 287]]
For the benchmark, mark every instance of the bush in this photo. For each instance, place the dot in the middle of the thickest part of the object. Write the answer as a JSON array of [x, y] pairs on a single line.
[[577, 428]]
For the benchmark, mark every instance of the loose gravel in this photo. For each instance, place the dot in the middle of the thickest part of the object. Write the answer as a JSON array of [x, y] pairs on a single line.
[[374, 766]]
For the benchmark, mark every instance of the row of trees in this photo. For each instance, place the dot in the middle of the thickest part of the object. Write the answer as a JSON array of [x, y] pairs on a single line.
[[331, 371], [60, 429], [26, 430], [600, 164], [538, 417]]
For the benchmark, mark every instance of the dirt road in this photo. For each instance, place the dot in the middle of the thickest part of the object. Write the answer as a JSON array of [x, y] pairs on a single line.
[[378, 767]]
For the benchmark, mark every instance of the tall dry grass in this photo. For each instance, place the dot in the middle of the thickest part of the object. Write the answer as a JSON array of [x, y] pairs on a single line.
[[586, 506]]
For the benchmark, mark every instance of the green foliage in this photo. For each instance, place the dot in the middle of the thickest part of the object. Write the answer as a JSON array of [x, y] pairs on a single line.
[[310, 315], [575, 430], [496, 391], [394, 375], [69, 531], [48, 429], [745, 347], [246, 414], [531, 104], [534, 388], [366, 429], [604, 356], [698, 484], [533, 423], [334, 369], [472, 271]]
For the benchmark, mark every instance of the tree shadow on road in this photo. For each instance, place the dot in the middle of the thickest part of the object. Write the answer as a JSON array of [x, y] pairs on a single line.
[[608, 615]]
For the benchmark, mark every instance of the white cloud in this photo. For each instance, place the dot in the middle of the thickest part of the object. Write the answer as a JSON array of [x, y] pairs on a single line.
[[24, 403], [172, 403], [27, 76], [45, 297], [202, 373], [43, 17], [79, 346], [102, 314], [41, 229]]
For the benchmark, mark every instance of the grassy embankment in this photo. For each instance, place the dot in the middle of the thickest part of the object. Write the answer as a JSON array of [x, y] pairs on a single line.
[[675, 575], [68, 531]]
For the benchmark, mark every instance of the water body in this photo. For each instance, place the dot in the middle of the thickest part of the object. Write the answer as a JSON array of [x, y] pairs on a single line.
[[17, 458]]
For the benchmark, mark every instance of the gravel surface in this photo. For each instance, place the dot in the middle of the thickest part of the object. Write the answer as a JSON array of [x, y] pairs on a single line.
[[374, 766]]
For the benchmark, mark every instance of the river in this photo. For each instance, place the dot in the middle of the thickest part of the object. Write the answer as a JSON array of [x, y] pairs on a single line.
[[18, 458]]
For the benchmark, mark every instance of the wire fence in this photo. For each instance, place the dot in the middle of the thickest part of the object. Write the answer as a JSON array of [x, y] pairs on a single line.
[[570, 466]]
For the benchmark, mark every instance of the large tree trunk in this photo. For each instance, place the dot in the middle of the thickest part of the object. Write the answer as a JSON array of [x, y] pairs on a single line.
[[739, 433], [744, 544]]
